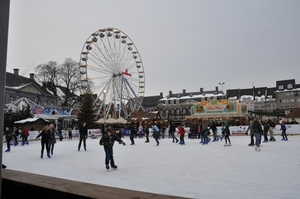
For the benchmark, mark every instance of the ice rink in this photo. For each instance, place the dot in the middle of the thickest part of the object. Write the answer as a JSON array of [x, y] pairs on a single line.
[[192, 170]]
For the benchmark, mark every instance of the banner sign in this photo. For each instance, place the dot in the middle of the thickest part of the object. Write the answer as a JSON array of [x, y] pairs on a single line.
[[219, 107]]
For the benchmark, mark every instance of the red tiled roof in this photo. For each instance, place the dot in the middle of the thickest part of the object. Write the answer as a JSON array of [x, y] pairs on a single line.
[[294, 114]]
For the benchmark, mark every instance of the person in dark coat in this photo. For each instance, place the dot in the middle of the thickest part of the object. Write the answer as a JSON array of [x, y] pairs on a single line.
[[227, 134], [147, 132], [82, 136], [107, 141], [45, 141], [173, 130], [8, 136], [257, 130], [133, 131], [251, 133]]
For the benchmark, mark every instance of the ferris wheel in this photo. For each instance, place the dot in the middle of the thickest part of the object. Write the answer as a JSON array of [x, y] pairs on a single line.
[[112, 68]]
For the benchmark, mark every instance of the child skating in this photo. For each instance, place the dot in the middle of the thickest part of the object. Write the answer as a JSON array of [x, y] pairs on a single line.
[[108, 139]]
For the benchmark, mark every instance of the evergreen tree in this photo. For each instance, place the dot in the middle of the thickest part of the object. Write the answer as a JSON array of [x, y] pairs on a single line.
[[87, 113]]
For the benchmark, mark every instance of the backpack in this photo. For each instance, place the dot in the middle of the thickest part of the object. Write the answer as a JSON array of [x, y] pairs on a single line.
[[156, 128]]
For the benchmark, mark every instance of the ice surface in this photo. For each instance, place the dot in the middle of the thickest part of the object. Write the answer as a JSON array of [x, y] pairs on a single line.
[[192, 170]]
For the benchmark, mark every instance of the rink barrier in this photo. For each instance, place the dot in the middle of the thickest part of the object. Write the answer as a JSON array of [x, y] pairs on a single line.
[[17, 184]]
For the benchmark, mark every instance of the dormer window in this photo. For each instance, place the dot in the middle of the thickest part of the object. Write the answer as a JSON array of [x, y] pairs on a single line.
[[280, 87], [289, 86]]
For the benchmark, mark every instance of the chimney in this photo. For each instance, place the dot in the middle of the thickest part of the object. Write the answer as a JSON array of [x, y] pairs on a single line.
[[170, 93], [217, 89], [183, 91], [161, 94], [31, 75], [201, 90], [16, 71]]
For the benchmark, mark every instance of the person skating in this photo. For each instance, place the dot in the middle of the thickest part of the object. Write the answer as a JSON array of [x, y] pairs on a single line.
[[147, 132], [266, 130], [271, 130], [257, 130], [172, 130], [133, 131], [227, 134], [251, 133], [25, 134], [155, 133], [8, 136], [16, 134], [283, 129], [53, 140], [181, 133], [46, 137], [107, 141], [82, 136]]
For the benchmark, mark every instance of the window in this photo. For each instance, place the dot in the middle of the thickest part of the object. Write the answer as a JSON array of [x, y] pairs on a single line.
[[290, 86], [280, 87], [177, 111]]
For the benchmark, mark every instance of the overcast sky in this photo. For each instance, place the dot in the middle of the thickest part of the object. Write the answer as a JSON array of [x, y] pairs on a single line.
[[184, 44]]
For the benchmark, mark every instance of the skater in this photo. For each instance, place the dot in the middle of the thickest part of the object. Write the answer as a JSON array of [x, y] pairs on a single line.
[[257, 130], [108, 139], [266, 130], [172, 130], [155, 133], [283, 129], [25, 134], [227, 134], [8, 136], [53, 140], [251, 133], [133, 131], [16, 134], [147, 132], [181, 133], [46, 137], [204, 133], [70, 132], [271, 130], [214, 129], [82, 136]]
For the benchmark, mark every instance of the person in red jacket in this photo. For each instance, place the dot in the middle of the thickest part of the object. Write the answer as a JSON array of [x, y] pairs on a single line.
[[25, 134], [181, 133]]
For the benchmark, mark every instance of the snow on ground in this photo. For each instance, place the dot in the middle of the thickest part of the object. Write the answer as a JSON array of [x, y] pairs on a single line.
[[192, 170]]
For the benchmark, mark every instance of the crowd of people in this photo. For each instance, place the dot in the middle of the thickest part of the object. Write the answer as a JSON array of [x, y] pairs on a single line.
[[157, 129]]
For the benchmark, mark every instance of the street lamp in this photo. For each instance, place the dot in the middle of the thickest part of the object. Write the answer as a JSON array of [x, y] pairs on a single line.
[[222, 83], [104, 107]]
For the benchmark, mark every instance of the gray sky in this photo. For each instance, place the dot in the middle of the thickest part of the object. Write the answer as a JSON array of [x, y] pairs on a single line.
[[184, 44]]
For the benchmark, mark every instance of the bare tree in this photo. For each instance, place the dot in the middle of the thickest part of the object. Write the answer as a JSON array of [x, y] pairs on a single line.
[[68, 78], [47, 74]]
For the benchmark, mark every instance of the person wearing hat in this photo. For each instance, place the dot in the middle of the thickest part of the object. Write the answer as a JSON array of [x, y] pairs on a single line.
[[107, 141]]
